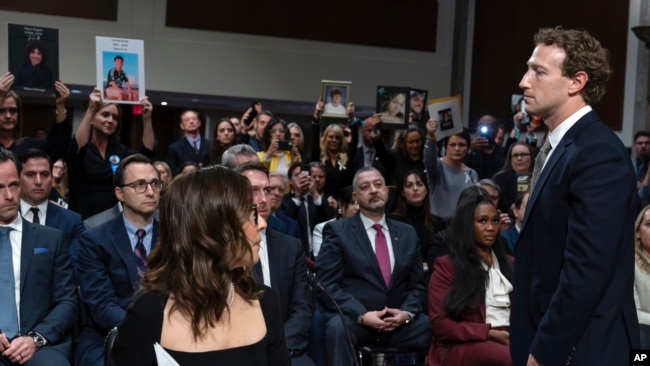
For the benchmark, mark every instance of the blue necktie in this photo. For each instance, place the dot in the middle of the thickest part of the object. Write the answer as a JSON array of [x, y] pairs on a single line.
[[8, 313]]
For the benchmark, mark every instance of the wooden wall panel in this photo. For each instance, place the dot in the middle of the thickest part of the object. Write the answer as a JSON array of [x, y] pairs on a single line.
[[408, 24], [503, 42], [93, 9]]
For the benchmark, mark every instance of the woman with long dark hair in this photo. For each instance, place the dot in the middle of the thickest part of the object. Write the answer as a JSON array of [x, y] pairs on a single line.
[[276, 157], [199, 301], [412, 207], [222, 139], [469, 291]]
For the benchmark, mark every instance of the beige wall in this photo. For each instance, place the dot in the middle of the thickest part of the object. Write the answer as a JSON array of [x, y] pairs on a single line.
[[216, 63]]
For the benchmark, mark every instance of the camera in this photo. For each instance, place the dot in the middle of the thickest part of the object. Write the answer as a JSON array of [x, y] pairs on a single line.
[[484, 132], [305, 167], [285, 145], [252, 114]]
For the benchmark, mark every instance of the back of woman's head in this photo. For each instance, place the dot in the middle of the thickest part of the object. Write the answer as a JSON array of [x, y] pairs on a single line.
[[201, 243]]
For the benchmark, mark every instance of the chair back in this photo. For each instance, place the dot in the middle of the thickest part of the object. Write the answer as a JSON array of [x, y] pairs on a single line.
[[108, 347]]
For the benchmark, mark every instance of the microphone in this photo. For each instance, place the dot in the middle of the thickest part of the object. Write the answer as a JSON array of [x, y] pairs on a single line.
[[313, 281]]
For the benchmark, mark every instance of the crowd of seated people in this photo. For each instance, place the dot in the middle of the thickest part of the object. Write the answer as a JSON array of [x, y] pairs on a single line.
[[377, 221]]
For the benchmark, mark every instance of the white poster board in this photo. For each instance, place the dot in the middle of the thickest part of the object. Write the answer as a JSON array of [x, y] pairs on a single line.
[[447, 112], [120, 69]]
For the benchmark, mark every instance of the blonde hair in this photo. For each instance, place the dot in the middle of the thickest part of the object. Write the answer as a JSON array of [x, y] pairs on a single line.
[[341, 155]]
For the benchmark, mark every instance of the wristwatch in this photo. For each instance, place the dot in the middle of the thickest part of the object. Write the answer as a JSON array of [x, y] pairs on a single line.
[[39, 340]]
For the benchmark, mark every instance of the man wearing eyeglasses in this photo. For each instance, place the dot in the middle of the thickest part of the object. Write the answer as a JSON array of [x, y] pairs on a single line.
[[112, 256]]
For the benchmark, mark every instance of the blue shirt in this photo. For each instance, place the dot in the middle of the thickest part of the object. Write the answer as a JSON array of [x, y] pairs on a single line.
[[131, 229]]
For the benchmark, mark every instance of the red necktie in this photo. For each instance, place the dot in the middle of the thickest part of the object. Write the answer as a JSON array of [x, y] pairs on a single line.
[[381, 251]]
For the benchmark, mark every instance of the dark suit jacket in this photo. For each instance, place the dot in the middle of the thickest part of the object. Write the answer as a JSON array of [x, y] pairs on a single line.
[[288, 269], [574, 260], [510, 236], [284, 224], [48, 301], [349, 271], [70, 224], [107, 276], [182, 151], [317, 214]]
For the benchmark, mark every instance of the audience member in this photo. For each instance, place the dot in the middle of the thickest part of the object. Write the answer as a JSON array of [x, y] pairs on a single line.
[[39, 306], [187, 167], [282, 267], [319, 175], [642, 274], [413, 207], [304, 204], [60, 194], [278, 221], [165, 173], [297, 137], [494, 193], [514, 177], [259, 125], [238, 155], [348, 207], [11, 122], [642, 152], [486, 155], [198, 300], [113, 255], [573, 299], [512, 233], [447, 176], [191, 147], [336, 154], [372, 151], [35, 174], [222, 140], [95, 154], [274, 156], [380, 287], [469, 291]]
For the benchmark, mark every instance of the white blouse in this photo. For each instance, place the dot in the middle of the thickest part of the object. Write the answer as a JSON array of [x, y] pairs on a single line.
[[497, 296]]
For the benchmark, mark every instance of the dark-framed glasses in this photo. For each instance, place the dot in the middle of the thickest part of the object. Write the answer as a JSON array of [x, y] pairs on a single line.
[[140, 186]]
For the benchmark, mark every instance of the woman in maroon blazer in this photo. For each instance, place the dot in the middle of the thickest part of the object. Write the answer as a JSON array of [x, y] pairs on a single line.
[[469, 290]]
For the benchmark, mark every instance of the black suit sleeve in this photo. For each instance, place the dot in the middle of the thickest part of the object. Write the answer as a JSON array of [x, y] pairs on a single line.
[[139, 331], [277, 351]]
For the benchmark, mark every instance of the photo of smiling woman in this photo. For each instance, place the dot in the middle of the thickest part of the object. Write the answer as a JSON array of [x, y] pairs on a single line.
[[95, 153]]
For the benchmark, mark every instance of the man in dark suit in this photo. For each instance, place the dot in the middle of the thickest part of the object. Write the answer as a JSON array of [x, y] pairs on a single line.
[[192, 147], [305, 204], [278, 221], [372, 267], [282, 267], [574, 260], [112, 256], [37, 317], [35, 171]]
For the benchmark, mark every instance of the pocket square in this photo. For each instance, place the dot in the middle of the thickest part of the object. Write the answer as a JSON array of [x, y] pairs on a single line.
[[40, 250]]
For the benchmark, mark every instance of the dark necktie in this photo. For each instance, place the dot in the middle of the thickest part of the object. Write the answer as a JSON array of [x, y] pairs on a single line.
[[539, 163], [140, 251], [381, 251], [36, 219], [303, 220], [8, 313], [196, 146]]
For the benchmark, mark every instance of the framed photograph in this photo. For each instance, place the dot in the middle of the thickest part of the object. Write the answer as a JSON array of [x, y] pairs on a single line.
[[447, 111], [518, 104], [34, 57], [417, 101], [336, 95], [120, 69], [391, 103]]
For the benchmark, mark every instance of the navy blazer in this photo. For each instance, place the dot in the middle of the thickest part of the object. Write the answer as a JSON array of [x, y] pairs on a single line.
[[288, 268], [182, 151], [348, 269], [574, 259], [48, 300], [107, 276], [284, 224], [70, 224]]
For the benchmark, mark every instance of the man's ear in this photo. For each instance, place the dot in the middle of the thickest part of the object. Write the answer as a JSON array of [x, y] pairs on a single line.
[[578, 82], [119, 194]]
